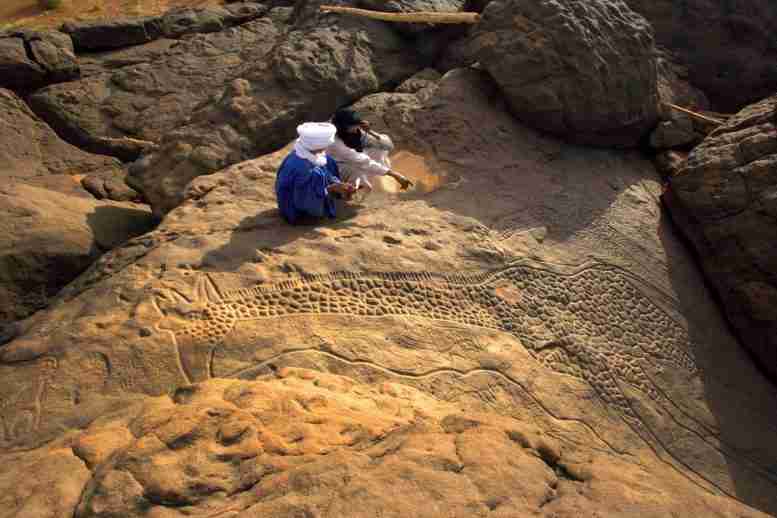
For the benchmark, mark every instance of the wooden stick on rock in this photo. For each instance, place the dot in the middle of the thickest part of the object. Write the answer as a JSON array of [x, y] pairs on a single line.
[[417, 17]]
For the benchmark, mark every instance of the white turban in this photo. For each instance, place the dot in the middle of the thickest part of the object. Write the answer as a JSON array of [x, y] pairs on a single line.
[[316, 135]]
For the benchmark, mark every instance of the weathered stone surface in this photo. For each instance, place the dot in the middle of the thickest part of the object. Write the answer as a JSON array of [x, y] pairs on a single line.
[[674, 85], [17, 70], [146, 97], [725, 199], [424, 79], [308, 443], [669, 163], [101, 35], [54, 52], [110, 185], [32, 59], [676, 128], [529, 284], [677, 132], [115, 34], [29, 148], [728, 47], [320, 64], [582, 69]]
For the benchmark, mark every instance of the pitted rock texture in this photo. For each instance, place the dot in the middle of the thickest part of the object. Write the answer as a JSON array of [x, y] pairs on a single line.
[[583, 69], [305, 443], [725, 199], [728, 47], [320, 63], [524, 280]]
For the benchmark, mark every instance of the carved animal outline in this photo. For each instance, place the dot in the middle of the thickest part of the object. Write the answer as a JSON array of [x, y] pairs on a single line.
[[568, 321]]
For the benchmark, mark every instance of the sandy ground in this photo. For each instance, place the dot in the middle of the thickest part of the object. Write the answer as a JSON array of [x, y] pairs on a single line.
[[27, 12]]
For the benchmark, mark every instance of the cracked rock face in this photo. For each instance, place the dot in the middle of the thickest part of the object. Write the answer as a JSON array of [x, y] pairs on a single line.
[[521, 334], [582, 69], [725, 199]]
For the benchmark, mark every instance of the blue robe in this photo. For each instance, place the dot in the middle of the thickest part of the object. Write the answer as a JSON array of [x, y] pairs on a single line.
[[300, 187]]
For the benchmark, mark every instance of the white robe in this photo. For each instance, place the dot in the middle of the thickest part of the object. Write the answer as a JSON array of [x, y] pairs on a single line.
[[355, 166]]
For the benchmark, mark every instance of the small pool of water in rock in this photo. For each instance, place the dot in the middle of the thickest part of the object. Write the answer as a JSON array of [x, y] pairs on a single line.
[[426, 175]]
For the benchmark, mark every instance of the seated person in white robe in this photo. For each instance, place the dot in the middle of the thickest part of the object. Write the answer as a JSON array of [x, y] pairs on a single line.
[[361, 154]]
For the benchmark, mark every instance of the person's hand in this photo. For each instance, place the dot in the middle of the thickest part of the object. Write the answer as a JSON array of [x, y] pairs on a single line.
[[404, 182], [342, 188], [365, 125]]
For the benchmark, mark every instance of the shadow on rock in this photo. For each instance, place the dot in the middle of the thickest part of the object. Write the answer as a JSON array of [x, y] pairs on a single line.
[[267, 232], [113, 225], [740, 398]]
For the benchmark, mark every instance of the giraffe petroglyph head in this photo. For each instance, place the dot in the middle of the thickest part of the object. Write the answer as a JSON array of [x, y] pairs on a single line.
[[173, 305]]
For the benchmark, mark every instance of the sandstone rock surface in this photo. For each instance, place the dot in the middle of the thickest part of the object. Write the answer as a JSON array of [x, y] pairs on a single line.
[[521, 334], [725, 199], [307, 443], [583, 69], [47, 238]]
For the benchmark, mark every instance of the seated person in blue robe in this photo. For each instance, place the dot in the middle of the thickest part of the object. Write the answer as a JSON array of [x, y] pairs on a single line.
[[308, 178]]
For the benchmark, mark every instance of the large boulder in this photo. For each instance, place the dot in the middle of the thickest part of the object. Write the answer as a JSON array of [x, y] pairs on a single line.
[[728, 47], [529, 284], [725, 199], [582, 69], [321, 63], [32, 59]]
